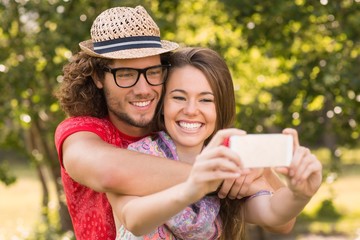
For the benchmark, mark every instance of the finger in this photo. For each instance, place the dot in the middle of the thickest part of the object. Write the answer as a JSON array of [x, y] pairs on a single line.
[[225, 188], [300, 170], [221, 135], [299, 161], [216, 175], [220, 151], [297, 157], [249, 179], [283, 170], [222, 164], [236, 187], [314, 166], [294, 134]]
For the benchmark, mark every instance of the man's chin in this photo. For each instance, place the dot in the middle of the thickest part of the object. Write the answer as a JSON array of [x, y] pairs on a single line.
[[136, 121], [140, 123]]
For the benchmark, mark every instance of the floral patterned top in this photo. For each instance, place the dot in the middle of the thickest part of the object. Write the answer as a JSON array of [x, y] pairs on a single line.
[[198, 221]]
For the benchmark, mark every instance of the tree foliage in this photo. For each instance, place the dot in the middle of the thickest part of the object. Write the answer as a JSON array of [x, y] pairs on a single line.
[[294, 63]]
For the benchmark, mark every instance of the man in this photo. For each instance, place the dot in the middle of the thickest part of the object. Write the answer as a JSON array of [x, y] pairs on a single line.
[[107, 114]]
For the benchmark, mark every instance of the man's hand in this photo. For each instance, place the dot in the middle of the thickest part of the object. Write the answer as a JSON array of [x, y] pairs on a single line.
[[239, 187]]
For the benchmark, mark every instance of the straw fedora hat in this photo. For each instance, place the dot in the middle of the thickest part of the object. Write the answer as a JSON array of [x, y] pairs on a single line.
[[125, 33]]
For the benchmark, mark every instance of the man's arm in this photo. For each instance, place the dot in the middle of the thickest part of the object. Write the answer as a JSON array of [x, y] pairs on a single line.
[[106, 168]]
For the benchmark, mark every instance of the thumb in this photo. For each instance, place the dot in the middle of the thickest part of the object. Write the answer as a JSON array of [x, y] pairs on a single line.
[[282, 170]]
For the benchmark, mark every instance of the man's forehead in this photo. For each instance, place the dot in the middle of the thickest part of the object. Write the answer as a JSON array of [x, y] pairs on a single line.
[[137, 62]]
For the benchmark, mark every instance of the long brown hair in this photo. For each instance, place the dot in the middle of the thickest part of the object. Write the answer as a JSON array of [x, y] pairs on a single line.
[[213, 66]]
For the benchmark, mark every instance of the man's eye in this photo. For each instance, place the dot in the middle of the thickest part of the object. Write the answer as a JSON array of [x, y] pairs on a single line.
[[125, 74], [154, 72]]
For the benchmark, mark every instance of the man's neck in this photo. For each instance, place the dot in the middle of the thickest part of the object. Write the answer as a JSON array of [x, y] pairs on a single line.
[[130, 130]]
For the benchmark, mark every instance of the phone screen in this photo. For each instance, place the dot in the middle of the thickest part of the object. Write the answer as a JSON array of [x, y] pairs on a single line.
[[263, 150]]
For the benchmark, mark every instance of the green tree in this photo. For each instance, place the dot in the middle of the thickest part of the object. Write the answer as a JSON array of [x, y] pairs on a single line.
[[295, 64], [36, 39], [316, 45], [35, 42]]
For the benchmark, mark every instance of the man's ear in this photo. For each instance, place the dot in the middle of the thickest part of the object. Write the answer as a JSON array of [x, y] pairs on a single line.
[[99, 84]]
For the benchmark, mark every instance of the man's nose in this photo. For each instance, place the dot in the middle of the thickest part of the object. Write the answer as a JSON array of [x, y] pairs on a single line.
[[142, 85]]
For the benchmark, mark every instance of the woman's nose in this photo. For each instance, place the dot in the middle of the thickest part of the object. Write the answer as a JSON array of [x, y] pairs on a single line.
[[190, 108]]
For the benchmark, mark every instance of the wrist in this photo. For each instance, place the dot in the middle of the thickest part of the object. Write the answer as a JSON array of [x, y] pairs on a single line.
[[187, 194], [300, 196]]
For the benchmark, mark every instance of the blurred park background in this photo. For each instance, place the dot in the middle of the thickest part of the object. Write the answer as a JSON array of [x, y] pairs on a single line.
[[294, 64]]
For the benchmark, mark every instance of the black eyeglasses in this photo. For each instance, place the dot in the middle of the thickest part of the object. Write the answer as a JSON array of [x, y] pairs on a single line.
[[128, 77]]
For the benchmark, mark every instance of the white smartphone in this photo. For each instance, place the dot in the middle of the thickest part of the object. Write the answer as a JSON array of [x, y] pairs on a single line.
[[263, 150]]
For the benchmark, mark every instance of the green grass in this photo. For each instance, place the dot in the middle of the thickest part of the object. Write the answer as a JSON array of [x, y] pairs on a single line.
[[345, 193], [20, 203], [343, 188]]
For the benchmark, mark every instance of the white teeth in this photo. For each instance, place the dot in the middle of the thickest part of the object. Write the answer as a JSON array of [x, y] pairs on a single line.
[[141, 104], [189, 125]]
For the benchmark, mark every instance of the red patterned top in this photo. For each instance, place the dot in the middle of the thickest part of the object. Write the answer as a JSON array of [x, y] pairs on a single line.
[[90, 211]]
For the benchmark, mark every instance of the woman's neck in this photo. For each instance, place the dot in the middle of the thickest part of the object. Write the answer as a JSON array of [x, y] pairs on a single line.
[[188, 154]]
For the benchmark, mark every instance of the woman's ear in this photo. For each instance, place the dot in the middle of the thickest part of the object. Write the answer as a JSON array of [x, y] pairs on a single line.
[[99, 84]]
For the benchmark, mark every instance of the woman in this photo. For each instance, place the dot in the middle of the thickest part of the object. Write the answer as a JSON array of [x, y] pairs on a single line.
[[198, 102]]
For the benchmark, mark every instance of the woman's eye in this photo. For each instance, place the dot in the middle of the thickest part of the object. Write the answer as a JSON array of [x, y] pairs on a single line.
[[206, 100], [178, 98]]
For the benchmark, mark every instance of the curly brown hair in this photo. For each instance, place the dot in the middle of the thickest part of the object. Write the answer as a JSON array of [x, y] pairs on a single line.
[[78, 94]]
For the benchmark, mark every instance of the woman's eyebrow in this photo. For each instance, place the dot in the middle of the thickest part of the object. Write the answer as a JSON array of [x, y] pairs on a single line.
[[183, 91], [177, 90]]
